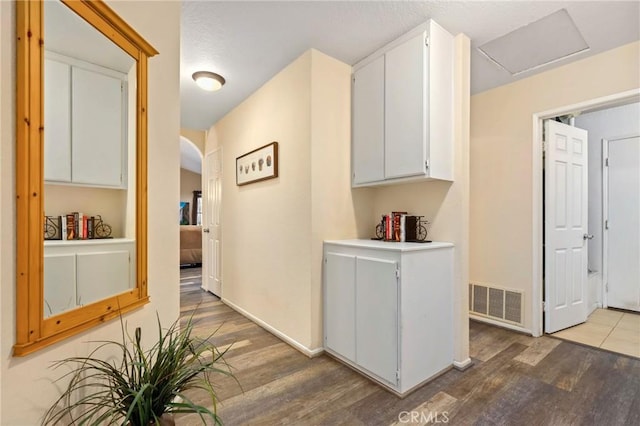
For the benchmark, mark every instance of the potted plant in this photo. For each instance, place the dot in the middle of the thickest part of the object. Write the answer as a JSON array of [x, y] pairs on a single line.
[[144, 386]]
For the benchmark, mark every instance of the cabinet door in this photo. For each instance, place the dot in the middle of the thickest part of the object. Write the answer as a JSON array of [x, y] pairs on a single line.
[[339, 303], [97, 131], [377, 317], [406, 118], [102, 274], [59, 283], [57, 121], [368, 123]]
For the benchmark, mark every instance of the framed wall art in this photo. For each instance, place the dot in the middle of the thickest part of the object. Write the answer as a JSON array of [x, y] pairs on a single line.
[[259, 164]]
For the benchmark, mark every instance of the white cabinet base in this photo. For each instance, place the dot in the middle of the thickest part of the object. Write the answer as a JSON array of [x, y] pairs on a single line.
[[388, 309]]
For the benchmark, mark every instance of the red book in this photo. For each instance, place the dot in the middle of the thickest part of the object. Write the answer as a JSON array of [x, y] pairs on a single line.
[[84, 227]]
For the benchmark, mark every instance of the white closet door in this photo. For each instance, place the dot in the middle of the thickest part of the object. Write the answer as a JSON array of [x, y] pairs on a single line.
[[57, 121], [97, 148], [566, 198], [623, 272]]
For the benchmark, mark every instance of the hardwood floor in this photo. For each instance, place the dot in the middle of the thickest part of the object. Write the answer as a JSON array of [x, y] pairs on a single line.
[[515, 380]]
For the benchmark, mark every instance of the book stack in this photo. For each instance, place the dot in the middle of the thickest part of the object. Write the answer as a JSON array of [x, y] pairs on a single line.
[[77, 226], [394, 226], [400, 227]]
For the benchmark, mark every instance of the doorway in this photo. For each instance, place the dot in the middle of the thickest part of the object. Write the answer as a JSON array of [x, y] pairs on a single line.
[[212, 228], [619, 198]]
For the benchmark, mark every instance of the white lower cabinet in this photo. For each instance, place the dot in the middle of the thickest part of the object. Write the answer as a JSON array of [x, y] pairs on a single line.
[[388, 309], [80, 272]]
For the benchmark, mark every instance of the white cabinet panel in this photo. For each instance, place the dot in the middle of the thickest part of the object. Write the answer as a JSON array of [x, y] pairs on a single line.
[[340, 292], [57, 121], [405, 104], [59, 283], [102, 274], [368, 123], [97, 131], [377, 317]]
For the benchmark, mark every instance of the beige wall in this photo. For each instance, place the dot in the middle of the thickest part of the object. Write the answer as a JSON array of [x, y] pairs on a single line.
[[108, 203], [26, 388], [502, 252], [198, 137], [272, 230], [189, 182], [445, 204]]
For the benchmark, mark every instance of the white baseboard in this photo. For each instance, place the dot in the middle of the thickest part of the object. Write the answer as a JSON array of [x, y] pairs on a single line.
[[500, 324], [311, 353], [462, 365]]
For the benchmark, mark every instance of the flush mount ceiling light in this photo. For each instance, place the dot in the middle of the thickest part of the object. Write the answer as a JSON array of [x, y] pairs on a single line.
[[542, 42], [208, 80]]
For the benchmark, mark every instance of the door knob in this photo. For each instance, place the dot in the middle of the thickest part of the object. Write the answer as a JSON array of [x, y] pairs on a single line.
[[584, 237], [207, 230]]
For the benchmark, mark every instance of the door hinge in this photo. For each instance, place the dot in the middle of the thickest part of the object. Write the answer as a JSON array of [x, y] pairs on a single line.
[[426, 165], [606, 224], [397, 273], [606, 162], [397, 376], [544, 306], [426, 41], [606, 287], [325, 260], [544, 146]]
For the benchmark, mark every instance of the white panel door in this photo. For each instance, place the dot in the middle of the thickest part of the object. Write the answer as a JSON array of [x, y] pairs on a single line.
[[212, 230], [340, 300], [368, 123], [57, 121], [623, 234], [97, 131], [566, 192], [102, 274], [377, 317], [59, 283], [405, 108]]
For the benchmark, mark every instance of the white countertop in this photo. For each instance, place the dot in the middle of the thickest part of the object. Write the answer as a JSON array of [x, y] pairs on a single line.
[[390, 245], [88, 242]]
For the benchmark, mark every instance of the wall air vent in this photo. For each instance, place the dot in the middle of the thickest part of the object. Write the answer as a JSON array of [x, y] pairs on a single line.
[[496, 303]]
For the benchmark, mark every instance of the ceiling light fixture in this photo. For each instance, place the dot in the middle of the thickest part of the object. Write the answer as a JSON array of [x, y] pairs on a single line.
[[208, 80]]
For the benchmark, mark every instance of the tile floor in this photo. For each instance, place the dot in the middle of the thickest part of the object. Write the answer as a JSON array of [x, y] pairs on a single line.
[[608, 329]]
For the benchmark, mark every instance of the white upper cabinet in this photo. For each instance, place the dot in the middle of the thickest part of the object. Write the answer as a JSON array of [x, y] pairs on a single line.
[[85, 123], [403, 110]]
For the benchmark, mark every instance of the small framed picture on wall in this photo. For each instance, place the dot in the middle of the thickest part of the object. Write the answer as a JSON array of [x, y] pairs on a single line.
[[257, 165]]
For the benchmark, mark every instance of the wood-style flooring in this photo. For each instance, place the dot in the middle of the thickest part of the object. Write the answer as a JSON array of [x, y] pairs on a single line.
[[515, 380]]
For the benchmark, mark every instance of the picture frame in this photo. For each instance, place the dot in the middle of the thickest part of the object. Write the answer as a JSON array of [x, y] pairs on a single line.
[[257, 165]]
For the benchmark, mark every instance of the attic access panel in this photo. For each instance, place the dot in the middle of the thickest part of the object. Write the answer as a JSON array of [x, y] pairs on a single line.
[[539, 43]]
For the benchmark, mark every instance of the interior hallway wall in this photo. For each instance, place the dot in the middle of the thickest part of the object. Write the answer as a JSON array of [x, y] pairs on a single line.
[[273, 230], [501, 227]]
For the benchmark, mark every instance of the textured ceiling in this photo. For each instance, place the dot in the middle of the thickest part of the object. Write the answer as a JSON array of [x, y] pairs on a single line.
[[249, 42]]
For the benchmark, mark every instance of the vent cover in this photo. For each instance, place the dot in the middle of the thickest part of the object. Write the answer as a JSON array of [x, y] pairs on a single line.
[[496, 303]]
